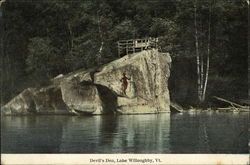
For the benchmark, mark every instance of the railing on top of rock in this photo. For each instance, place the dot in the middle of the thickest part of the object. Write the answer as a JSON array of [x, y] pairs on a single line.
[[136, 45]]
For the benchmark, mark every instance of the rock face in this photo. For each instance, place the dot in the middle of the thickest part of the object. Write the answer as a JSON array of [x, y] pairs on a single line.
[[37, 101], [99, 91], [147, 90]]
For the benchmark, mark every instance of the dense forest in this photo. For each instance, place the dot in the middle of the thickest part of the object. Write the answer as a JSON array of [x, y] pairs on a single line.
[[41, 39]]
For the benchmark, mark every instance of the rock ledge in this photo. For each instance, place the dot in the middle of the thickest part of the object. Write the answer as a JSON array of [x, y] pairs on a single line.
[[99, 91]]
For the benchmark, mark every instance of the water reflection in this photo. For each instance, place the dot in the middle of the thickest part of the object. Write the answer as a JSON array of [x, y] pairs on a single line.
[[88, 134], [162, 133], [116, 134], [142, 134], [31, 134], [209, 133]]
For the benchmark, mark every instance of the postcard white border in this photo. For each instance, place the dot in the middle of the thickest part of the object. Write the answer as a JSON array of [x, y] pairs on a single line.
[[159, 159]]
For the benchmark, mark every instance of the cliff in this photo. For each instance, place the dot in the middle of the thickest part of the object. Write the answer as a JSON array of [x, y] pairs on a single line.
[[99, 91]]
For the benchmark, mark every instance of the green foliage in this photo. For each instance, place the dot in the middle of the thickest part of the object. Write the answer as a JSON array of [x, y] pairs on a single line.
[[42, 56], [166, 30], [124, 30], [46, 38], [83, 54]]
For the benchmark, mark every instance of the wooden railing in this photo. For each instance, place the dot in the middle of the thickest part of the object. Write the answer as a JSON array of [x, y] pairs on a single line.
[[136, 45]]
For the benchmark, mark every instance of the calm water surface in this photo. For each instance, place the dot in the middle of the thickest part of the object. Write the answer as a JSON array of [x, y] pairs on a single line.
[[157, 133]]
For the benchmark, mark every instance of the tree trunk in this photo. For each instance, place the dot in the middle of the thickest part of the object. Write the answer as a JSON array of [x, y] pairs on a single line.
[[201, 66], [197, 52], [202, 72], [101, 37], [71, 42], [208, 54]]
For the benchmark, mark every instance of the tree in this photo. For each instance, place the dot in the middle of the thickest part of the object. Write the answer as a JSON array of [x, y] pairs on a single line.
[[41, 58], [208, 54], [201, 80], [199, 65], [61, 37]]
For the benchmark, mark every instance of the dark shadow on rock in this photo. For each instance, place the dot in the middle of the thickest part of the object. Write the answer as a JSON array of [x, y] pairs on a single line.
[[49, 101], [108, 97]]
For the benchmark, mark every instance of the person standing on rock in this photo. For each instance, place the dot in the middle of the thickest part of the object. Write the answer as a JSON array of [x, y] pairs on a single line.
[[124, 81]]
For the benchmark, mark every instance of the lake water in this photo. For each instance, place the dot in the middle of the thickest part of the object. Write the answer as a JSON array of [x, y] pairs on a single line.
[[157, 133]]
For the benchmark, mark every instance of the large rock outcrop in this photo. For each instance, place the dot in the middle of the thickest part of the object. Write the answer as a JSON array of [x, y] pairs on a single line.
[[46, 100], [98, 91]]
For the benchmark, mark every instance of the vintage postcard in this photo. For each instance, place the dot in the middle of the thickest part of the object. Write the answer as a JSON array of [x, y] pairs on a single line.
[[124, 82]]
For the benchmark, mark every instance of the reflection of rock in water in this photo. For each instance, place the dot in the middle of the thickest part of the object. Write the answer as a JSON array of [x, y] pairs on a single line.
[[108, 131], [78, 134], [88, 134], [142, 134], [31, 134], [203, 133], [116, 134], [197, 133]]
